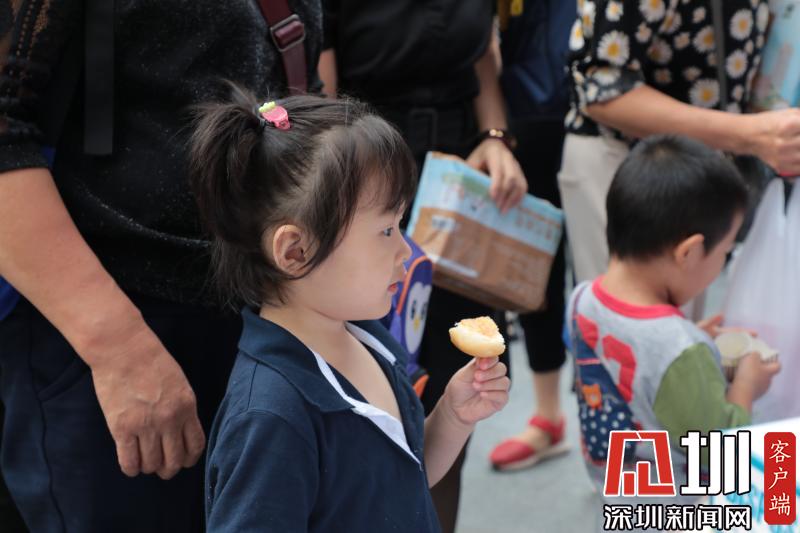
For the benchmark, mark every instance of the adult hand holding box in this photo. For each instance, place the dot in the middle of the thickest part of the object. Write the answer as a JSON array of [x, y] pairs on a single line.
[[502, 260]]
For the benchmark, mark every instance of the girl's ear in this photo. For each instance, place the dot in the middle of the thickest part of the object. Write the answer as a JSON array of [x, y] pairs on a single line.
[[289, 249], [689, 251]]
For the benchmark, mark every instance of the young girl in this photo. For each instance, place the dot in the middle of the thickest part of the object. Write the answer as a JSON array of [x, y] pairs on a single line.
[[320, 429]]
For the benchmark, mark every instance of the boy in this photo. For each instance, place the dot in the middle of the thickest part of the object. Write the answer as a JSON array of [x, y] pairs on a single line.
[[674, 208]]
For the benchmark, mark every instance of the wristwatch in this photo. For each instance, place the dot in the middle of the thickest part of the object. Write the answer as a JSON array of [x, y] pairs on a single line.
[[504, 136]]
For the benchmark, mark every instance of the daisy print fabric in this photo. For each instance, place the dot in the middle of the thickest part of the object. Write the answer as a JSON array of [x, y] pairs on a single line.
[[617, 45]]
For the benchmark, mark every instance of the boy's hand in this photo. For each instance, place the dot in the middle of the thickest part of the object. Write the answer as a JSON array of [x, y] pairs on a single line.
[[713, 326], [477, 390], [753, 377]]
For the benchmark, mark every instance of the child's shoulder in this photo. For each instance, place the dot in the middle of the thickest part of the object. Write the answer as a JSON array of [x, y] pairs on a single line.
[[276, 372], [682, 335], [260, 406], [661, 328], [257, 387]]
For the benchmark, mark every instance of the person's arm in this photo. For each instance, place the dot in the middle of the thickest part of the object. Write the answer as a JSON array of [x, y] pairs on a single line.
[[693, 394], [476, 391], [692, 397], [644, 111], [327, 72], [508, 185], [773, 136], [490, 110], [326, 68], [693, 380], [147, 402], [611, 90], [445, 436], [262, 476]]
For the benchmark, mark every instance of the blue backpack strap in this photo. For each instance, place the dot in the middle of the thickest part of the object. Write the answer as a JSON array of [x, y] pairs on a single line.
[[571, 313], [406, 319], [601, 407]]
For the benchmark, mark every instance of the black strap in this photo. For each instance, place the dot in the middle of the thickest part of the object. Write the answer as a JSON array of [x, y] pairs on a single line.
[[286, 30], [89, 53], [719, 51], [56, 98], [98, 111], [288, 33]]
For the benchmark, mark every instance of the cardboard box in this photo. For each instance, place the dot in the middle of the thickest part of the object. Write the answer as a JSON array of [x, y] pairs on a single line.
[[500, 260]]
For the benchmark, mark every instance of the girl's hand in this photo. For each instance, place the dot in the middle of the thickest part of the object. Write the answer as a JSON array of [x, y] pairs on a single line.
[[508, 182], [477, 390], [713, 326]]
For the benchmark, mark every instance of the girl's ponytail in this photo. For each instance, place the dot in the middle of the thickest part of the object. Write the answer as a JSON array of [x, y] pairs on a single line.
[[227, 139], [226, 161]]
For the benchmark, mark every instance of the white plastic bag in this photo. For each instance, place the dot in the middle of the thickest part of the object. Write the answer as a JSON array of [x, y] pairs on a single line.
[[764, 295]]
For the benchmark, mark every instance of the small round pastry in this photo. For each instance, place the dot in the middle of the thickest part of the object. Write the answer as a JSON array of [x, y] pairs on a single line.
[[478, 337]]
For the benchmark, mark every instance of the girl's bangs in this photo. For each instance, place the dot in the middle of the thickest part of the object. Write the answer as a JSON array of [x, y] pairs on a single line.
[[386, 166]]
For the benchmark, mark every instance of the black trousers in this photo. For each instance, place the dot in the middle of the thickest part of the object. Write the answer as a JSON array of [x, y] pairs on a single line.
[[538, 152], [58, 458]]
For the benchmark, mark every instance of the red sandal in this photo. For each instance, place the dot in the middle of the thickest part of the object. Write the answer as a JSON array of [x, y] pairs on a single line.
[[513, 454]]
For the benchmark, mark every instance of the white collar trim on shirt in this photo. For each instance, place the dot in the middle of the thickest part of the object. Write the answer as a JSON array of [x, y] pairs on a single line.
[[368, 339], [389, 425]]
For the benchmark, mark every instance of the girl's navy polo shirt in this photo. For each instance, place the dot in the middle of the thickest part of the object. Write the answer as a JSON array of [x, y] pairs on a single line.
[[288, 453]]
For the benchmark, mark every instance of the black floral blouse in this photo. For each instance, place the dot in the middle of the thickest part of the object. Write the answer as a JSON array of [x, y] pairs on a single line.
[[617, 45]]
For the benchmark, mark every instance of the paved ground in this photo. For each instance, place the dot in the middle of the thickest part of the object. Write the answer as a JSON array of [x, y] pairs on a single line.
[[554, 496]]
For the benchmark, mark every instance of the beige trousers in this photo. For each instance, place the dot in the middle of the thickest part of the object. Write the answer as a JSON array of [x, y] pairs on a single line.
[[588, 166]]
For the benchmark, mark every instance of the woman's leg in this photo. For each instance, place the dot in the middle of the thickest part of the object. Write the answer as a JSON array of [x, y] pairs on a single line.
[[539, 155], [589, 164]]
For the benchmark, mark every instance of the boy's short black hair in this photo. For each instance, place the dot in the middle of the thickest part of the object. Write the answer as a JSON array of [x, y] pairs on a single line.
[[667, 189]]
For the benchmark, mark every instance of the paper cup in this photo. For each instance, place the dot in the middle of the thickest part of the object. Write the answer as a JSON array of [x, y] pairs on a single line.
[[733, 345], [767, 353]]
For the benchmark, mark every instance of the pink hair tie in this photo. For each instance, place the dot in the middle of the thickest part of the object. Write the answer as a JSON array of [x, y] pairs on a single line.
[[275, 114]]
